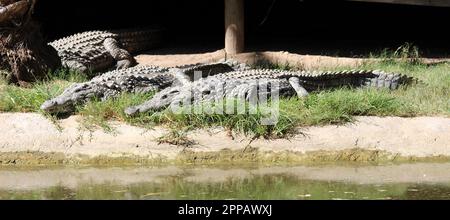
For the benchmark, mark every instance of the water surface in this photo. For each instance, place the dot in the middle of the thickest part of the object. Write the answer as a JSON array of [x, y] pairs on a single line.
[[406, 181]]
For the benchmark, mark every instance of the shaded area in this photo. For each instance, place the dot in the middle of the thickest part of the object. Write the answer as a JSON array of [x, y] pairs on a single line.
[[316, 27]]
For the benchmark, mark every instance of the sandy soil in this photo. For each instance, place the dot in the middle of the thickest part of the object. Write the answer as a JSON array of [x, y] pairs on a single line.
[[308, 62], [303, 61], [30, 132]]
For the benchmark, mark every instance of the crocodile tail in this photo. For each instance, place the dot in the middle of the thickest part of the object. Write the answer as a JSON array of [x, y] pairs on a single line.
[[140, 39], [380, 79], [356, 78]]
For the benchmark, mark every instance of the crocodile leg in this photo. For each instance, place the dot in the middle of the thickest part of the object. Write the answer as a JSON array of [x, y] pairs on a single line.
[[123, 57], [181, 77], [299, 89]]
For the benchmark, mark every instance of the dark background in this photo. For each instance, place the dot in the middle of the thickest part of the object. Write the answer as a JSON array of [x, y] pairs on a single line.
[[315, 27]]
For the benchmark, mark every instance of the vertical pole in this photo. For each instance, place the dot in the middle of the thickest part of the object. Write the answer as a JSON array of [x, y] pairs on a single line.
[[234, 26]]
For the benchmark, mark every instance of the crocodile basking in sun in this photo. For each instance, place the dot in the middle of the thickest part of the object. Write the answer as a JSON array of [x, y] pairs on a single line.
[[218, 81], [138, 79], [250, 84]]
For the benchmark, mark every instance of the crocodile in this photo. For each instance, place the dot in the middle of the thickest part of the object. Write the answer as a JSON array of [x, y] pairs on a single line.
[[137, 79], [97, 51], [249, 83]]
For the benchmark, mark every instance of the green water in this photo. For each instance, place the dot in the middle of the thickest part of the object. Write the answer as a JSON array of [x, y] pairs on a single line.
[[261, 187], [302, 183]]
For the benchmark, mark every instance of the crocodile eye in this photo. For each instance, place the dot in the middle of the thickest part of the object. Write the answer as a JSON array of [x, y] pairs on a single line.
[[174, 91], [164, 97]]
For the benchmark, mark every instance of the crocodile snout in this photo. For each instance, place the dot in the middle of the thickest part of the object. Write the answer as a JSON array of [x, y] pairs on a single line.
[[48, 105], [53, 106]]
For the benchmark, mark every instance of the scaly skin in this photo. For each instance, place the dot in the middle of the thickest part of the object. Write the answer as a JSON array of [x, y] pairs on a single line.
[[108, 85], [248, 84], [96, 51], [139, 79]]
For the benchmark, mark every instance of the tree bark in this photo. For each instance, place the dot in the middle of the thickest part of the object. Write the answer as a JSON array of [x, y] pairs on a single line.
[[22, 48], [16, 9]]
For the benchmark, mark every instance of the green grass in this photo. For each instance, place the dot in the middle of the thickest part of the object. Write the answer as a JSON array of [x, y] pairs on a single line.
[[97, 113], [19, 99], [326, 107], [429, 98]]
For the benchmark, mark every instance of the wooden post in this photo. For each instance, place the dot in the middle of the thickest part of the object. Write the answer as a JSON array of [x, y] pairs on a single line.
[[234, 26]]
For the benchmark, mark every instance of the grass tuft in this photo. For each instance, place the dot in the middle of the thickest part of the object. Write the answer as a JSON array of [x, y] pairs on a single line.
[[406, 55], [176, 137]]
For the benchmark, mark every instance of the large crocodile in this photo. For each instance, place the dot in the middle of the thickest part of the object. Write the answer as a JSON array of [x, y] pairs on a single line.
[[138, 79], [250, 83], [95, 51]]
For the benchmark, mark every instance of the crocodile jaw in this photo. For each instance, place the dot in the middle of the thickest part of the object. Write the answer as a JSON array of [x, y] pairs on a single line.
[[57, 106]]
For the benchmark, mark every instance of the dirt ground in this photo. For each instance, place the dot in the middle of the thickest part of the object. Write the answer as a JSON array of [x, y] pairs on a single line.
[[406, 137], [306, 62], [303, 61]]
